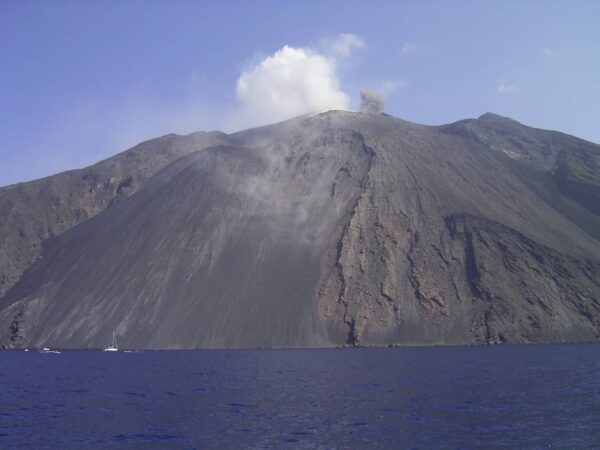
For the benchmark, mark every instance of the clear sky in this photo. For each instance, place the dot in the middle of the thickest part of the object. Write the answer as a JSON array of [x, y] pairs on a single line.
[[82, 80]]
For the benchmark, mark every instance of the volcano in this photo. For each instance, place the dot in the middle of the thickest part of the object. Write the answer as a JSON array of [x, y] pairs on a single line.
[[330, 230]]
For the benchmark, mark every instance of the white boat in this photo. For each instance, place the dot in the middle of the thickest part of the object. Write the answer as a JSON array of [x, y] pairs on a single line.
[[47, 350], [113, 347]]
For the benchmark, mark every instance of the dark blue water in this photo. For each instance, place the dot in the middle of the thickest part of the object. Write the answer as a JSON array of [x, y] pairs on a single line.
[[453, 397]]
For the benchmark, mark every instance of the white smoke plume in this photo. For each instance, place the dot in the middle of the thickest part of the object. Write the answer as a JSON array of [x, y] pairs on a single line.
[[292, 82], [371, 102]]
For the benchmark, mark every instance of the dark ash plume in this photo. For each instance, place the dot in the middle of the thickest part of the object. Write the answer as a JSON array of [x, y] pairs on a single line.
[[371, 102]]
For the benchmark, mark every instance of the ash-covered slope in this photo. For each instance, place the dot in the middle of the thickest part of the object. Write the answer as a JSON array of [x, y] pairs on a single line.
[[33, 212], [342, 228]]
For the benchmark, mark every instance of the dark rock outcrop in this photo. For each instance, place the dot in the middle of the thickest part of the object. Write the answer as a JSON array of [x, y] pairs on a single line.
[[338, 229]]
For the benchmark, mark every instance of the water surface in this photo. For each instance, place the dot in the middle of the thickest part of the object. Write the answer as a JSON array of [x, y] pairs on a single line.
[[445, 397]]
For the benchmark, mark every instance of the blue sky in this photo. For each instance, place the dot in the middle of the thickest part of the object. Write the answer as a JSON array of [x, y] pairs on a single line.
[[80, 81]]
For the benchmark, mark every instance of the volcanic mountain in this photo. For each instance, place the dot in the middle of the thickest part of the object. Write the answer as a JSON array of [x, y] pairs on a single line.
[[336, 229]]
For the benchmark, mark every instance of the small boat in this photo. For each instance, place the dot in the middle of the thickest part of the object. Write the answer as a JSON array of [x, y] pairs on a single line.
[[113, 347], [47, 350]]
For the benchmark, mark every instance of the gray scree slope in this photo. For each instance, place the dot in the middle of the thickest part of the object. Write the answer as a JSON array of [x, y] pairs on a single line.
[[342, 228], [33, 212]]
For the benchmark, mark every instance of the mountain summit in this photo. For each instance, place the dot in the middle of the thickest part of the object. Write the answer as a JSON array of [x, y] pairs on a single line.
[[336, 229]]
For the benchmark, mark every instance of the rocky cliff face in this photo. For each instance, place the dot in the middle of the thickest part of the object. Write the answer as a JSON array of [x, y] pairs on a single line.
[[342, 228]]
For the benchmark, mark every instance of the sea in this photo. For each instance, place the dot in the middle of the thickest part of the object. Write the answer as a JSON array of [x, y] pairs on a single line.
[[510, 396]]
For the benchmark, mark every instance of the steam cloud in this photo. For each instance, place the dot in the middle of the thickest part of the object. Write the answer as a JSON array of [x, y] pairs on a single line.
[[292, 82], [371, 102], [345, 43]]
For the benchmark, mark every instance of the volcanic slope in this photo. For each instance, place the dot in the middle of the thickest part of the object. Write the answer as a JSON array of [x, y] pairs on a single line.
[[31, 213], [341, 228]]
